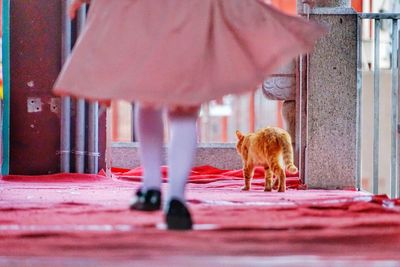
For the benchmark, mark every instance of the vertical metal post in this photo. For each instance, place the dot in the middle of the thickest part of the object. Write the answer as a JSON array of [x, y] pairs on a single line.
[[303, 106], [133, 126], [80, 110], [375, 175], [109, 143], [395, 85], [297, 147], [301, 119], [359, 103], [398, 111], [65, 135], [301, 103], [306, 60], [93, 146]]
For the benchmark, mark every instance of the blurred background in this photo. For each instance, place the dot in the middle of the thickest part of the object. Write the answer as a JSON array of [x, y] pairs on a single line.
[[219, 119]]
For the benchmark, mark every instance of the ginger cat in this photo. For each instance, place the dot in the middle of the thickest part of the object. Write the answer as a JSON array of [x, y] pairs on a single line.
[[264, 148]]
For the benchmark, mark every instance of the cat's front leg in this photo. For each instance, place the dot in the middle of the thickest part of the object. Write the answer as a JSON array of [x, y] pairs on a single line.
[[247, 174]]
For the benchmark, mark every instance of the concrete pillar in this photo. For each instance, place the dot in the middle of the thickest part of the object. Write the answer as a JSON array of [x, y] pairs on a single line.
[[333, 3], [325, 3], [331, 154]]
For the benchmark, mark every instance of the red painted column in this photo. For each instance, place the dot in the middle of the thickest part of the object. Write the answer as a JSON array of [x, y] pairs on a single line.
[[224, 129], [115, 120], [357, 5], [252, 112], [35, 60], [288, 6]]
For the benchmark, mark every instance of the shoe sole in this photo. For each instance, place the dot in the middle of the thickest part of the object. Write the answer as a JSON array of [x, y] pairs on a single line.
[[177, 223]]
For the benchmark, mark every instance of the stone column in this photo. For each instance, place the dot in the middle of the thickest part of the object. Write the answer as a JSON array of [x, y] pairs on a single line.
[[332, 99], [325, 3]]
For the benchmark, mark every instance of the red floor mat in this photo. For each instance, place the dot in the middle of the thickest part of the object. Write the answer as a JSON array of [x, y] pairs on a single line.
[[71, 219], [209, 174]]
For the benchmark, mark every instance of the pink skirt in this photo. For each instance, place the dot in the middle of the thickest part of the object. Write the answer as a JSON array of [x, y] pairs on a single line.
[[181, 52]]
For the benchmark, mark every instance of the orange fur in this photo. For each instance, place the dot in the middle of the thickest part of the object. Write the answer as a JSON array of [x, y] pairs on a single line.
[[264, 148]]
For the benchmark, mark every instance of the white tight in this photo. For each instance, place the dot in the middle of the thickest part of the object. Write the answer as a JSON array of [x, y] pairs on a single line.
[[181, 148]]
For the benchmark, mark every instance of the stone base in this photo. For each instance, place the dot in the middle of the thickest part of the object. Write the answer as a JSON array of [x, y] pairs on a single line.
[[223, 156]]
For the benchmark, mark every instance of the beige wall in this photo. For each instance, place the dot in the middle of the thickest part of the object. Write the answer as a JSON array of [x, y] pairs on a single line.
[[367, 130]]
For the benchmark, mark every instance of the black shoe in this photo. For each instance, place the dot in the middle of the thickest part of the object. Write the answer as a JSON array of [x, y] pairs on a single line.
[[149, 201], [178, 216]]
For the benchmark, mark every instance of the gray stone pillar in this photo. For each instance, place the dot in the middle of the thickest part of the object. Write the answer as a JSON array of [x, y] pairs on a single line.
[[332, 126], [333, 3], [325, 3]]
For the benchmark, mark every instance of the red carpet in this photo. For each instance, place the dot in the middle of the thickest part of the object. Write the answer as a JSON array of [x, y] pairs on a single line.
[[83, 220]]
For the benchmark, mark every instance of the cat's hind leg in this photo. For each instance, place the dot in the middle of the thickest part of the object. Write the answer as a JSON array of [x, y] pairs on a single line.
[[275, 183], [268, 179], [248, 170], [280, 176]]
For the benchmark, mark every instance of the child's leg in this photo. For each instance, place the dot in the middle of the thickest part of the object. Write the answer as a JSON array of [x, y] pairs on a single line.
[[149, 130], [181, 150]]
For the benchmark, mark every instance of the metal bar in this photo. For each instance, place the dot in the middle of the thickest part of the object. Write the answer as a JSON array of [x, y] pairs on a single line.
[[80, 136], [379, 15], [398, 112], [133, 126], [93, 146], [298, 122], [66, 32], [80, 110], [303, 96], [302, 124], [375, 171], [359, 104], [394, 136], [81, 19], [65, 135], [109, 142]]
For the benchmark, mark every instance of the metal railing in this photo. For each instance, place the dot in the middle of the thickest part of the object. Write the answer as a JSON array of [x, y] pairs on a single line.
[[378, 18], [66, 106], [65, 134]]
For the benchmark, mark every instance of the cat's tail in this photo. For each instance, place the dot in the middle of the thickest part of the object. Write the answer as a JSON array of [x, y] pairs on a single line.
[[287, 154]]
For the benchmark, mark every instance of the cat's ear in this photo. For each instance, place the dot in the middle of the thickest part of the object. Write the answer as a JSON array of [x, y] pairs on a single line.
[[239, 135]]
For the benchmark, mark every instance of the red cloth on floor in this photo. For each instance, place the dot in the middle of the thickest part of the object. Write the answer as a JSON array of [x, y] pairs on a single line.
[[208, 174], [84, 217]]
